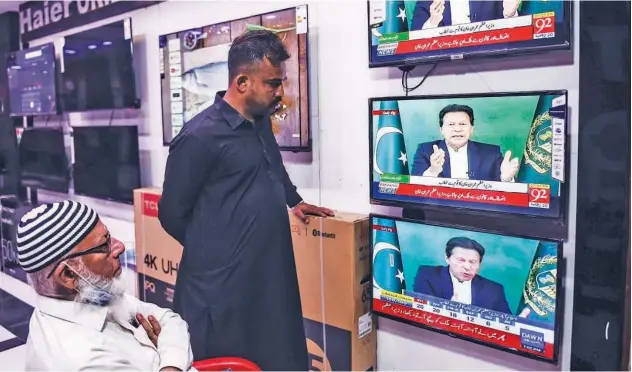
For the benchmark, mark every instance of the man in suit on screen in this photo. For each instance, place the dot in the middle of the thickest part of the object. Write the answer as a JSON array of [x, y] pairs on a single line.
[[459, 281], [456, 156], [440, 13]]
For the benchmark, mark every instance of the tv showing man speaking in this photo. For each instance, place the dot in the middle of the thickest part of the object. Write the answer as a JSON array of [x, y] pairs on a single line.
[[502, 152], [411, 32], [494, 289]]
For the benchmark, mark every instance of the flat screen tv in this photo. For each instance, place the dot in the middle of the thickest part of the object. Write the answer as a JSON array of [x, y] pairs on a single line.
[[414, 32], [193, 68], [498, 153], [496, 290], [107, 164], [32, 76], [43, 160], [97, 71]]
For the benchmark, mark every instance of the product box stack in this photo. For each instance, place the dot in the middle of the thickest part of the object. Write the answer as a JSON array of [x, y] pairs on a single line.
[[333, 262]]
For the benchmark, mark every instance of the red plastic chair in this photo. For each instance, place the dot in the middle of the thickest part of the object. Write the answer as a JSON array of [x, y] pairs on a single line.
[[225, 364]]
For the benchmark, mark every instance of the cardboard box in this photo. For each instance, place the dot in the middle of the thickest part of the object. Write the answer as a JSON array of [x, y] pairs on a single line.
[[333, 262], [157, 253], [334, 271]]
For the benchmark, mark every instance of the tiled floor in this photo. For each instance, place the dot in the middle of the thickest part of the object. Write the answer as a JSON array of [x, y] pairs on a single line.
[[16, 306]]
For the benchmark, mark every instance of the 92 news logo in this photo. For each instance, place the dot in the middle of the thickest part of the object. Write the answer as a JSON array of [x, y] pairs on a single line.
[[387, 49], [544, 25], [539, 196]]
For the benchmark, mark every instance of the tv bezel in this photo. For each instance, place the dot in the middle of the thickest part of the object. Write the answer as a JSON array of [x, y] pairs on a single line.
[[295, 149], [136, 104], [139, 173], [560, 290], [56, 77], [66, 188], [542, 227], [473, 55]]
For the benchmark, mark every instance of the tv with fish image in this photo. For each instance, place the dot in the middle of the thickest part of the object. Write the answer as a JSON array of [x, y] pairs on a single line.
[[497, 153], [425, 31], [496, 290], [194, 67]]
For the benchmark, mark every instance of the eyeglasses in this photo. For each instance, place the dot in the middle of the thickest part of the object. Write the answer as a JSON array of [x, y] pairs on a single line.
[[104, 248]]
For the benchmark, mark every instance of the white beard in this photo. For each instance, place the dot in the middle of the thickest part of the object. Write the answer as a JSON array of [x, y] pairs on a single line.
[[119, 310]]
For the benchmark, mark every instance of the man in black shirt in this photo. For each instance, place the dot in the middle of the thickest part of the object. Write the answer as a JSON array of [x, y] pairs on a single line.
[[225, 199]]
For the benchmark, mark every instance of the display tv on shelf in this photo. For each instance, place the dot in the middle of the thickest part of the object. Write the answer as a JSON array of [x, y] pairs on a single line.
[[107, 164], [43, 160], [97, 71], [500, 291], [496, 153], [32, 75], [193, 68], [413, 32]]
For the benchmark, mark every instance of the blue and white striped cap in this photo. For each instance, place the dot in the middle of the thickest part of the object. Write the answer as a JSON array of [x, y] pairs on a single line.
[[47, 233]]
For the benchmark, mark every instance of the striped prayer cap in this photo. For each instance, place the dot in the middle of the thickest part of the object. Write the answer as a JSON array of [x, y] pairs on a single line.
[[47, 233]]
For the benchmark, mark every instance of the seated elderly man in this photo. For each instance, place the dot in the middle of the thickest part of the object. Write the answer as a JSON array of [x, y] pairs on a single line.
[[83, 320]]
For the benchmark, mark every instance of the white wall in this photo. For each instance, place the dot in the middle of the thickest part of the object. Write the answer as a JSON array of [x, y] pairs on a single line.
[[336, 173]]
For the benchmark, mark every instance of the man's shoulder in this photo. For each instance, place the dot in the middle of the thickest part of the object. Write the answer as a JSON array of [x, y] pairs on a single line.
[[489, 284], [54, 340], [207, 123]]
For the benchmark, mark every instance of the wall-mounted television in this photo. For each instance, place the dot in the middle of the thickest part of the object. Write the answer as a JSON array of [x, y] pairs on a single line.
[[414, 32], [194, 67], [43, 160], [97, 70], [32, 74], [497, 290], [107, 164], [497, 152], [9, 157]]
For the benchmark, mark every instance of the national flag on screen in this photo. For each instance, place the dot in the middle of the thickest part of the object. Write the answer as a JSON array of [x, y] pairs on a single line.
[[540, 291], [390, 150], [535, 166], [542, 6], [396, 18], [388, 269]]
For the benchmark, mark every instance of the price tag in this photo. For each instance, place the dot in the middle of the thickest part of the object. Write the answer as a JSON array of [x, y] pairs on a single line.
[[365, 325]]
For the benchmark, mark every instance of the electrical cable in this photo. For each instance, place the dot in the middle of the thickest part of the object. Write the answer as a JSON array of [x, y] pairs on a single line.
[[405, 74]]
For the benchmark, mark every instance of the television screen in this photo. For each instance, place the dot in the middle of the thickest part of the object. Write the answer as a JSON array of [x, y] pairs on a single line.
[[500, 152], [97, 69], [43, 160], [414, 32], [32, 77], [107, 164], [9, 157], [193, 68], [493, 289]]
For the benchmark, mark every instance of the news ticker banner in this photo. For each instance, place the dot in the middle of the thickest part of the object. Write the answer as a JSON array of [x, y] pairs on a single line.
[[492, 327], [507, 30], [488, 192]]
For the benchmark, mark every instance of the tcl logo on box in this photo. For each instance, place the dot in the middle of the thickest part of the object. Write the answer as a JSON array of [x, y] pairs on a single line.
[[150, 204]]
